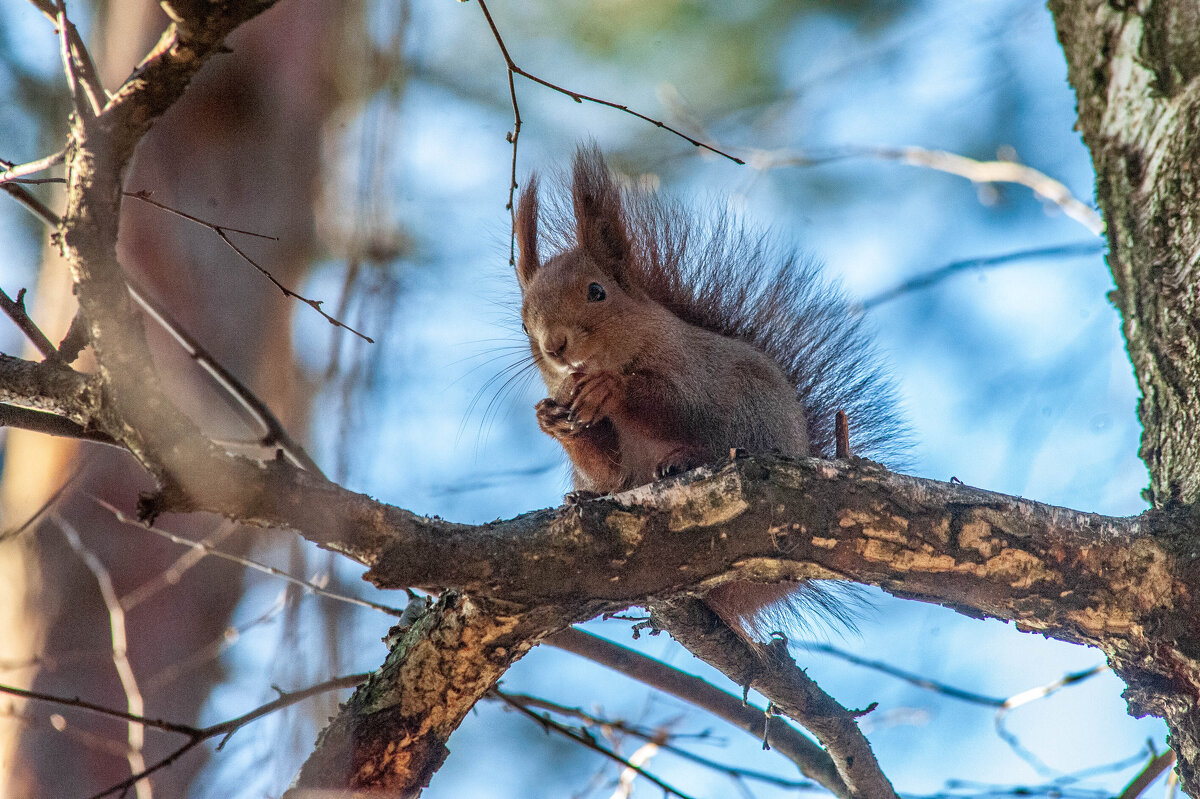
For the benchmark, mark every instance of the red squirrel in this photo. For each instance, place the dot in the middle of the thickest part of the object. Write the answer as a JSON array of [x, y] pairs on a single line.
[[667, 338]]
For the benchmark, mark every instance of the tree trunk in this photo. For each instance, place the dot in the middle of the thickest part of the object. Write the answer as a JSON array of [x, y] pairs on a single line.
[[1134, 67]]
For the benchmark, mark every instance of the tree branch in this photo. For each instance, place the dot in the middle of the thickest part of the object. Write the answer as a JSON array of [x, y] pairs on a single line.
[[772, 672], [809, 758]]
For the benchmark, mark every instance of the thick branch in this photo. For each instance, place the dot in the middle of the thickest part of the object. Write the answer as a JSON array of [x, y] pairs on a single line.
[[390, 737], [50, 387]]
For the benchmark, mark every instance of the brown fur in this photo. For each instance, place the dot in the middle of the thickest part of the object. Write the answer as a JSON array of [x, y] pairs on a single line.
[[665, 339]]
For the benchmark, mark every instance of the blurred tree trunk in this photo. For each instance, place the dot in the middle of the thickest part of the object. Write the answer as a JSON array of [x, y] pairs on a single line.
[[242, 150], [1136, 72]]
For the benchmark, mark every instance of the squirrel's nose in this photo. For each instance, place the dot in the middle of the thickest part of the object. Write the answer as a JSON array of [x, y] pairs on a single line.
[[555, 347]]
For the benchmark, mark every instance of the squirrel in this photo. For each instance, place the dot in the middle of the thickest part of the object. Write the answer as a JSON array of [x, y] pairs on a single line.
[[666, 338]]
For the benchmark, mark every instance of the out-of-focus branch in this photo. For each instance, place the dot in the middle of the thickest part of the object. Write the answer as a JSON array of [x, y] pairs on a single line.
[[771, 671], [934, 276], [1157, 765], [135, 705], [16, 311], [951, 163], [13, 171], [809, 758], [549, 725]]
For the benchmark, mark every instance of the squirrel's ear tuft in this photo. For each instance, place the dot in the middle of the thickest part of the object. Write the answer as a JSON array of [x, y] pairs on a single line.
[[599, 215], [526, 229]]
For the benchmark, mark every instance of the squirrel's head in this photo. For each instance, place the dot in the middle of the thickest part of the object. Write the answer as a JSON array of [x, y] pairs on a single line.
[[582, 308]]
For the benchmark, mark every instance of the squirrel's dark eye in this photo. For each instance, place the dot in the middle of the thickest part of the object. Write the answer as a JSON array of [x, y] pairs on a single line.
[[595, 292], [524, 329]]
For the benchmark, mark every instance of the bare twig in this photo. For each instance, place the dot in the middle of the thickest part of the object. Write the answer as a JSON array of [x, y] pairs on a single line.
[[785, 739], [223, 233], [901, 674], [841, 435], [92, 707], [196, 735], [174, 573], [661, 739], [208, 549], [588, 742], [515, 134], [136, 733], [212, 650], [32, 204], [952, 163], [45, 506], [274, 433], [81, 74], [16, 311], [1030, 695], [933, 276], [16, 171]]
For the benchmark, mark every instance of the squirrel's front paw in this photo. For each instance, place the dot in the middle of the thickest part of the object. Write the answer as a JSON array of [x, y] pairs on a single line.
[[556, 420], [595, 396]]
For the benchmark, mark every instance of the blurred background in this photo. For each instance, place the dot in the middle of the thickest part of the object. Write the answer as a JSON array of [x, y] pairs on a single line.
[[368, 137]]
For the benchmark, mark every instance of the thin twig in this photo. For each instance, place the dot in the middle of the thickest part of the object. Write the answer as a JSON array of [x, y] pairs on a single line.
[[45, 506], [78, 66], [952, 163], [212, 650], [223, 233], [589, 743], [136, 732], [275, 434], [659, 738], [1030, 695], [900, 674], [16, 311], [83, 704], [228, 728], [809, 758], [32, 204], [515, 134], [241, 561], [16, 171], [933, 276], [174, 573]]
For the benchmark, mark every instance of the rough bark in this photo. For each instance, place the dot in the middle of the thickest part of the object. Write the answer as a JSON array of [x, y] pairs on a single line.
[[1134, 67], [391, 736]]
